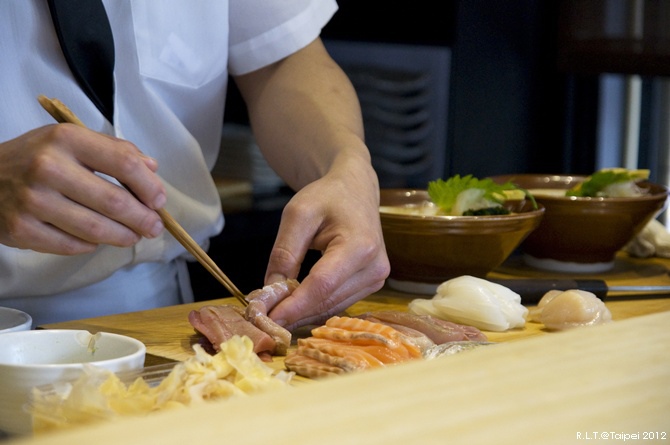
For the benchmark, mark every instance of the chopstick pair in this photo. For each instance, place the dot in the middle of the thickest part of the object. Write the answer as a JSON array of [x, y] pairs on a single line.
[[61, 113]]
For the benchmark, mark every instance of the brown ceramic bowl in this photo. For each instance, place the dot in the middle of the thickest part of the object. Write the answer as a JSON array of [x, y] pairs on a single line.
[[583, 234], [432, 249]]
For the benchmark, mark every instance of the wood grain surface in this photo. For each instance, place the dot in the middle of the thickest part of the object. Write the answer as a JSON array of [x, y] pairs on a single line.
[[551, 389]]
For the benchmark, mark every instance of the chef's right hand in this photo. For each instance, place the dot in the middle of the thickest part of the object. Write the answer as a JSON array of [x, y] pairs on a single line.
[[52, 201]]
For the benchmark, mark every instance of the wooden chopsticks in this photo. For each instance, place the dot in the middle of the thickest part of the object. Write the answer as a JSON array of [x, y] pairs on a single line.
[[61, 113]]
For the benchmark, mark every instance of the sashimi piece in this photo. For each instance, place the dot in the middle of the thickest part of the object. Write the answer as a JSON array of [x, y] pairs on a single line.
[[439, 331], [386, 355], [220, 323], [257, 315], [309, 367], [342, 350], [559, 310], [345, 363], [410, 335], [355, 337], [273, 293], [475, 302], [359, 338], [363, 325]]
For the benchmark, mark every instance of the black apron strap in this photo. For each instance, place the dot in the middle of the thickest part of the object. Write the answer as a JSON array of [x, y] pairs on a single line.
[[86, 40]]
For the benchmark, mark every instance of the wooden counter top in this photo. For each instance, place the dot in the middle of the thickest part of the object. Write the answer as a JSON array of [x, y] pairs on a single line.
[[604, 384], [601, 384]]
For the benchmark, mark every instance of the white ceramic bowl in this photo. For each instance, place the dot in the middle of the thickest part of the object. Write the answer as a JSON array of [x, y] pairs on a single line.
[[12, 320], [39, 357]]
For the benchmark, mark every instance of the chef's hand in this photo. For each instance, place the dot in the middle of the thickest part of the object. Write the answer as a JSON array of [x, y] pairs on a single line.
[[52, 201], [338, 215]]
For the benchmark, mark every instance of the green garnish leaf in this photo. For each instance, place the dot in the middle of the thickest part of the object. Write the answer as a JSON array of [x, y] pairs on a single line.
[[603, 178], [445, 193]]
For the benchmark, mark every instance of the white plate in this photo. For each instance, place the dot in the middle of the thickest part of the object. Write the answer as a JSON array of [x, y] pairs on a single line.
[[566, 266], [12, 320]]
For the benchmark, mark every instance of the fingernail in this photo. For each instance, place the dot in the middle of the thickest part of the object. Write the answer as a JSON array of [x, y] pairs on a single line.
[[160, 201], [275, 277], [156, 230]]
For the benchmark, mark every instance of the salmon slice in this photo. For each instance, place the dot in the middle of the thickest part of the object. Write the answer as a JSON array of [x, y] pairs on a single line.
[[355, 337], [362, 325], [397, 339], [344, 363], [310, 368], [354, 353], [358, 338]]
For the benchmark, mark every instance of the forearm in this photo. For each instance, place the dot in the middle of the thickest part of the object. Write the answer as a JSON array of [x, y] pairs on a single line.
[[305, 116]]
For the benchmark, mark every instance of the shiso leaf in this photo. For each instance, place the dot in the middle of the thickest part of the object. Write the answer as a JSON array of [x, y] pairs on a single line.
[[599, 180], [445, 194]]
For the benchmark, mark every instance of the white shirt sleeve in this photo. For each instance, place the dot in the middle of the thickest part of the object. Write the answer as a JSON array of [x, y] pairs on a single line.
[[257, 40]]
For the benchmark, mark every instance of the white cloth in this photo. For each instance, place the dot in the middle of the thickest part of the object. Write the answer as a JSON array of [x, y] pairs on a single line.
[[653, 240], [173, 58]]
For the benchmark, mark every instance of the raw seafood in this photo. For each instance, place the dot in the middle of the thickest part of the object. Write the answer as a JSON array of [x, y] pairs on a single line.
[[437, 330], [218, 323], [311, 368], [350, 344], [559, 310], [475, 302], [372, 340]]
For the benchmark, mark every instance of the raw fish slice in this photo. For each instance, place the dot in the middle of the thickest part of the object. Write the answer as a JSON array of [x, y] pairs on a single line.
[[342, 350], [220, 323], [345, 363], [362, 325], [273, 293], [386, 355], [470, 333], [354, 337], [367, 355], [354, 357], [310, 368], [438, 330], [257, 315], [410, 336], [395, 338]]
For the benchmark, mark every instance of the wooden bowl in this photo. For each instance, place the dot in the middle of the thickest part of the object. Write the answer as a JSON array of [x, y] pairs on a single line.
[[433, 249], [583, 235]]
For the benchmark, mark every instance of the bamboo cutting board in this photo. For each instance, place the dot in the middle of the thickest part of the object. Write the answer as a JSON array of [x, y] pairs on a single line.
[[552, 389]]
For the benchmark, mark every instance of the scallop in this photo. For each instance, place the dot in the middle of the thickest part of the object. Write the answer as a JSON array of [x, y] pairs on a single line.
[[560, 310]]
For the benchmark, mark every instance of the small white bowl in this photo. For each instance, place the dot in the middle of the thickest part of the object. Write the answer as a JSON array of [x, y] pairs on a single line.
[[12, 320], [33, 358]]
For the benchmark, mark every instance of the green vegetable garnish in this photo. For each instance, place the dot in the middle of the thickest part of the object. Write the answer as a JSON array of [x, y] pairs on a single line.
[[445, 193], [595, 183]]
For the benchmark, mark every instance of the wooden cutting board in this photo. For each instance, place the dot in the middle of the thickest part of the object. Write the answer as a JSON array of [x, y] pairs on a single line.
[[586, 384]]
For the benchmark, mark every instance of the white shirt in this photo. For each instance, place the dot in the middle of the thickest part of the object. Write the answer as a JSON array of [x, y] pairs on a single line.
[[173, 58]]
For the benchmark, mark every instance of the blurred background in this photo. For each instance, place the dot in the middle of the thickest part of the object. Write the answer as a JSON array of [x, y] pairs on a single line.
[[469, 87]]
